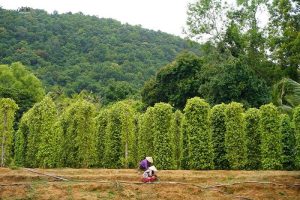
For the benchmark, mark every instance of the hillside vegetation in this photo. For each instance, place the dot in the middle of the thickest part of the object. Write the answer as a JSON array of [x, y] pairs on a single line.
[[74, 52]]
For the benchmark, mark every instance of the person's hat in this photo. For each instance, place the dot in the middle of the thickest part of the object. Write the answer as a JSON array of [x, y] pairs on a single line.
[[153, 168], [149, 159]]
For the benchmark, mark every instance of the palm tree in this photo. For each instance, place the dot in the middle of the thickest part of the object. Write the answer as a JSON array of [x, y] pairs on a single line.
[[286, 94]]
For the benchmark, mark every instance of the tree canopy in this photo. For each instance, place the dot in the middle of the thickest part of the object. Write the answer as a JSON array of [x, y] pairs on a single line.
[[21, 85], [241, 58], [190, 75], [78, 52]]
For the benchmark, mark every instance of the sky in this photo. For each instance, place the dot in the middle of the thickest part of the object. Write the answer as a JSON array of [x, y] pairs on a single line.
[[164, 15]]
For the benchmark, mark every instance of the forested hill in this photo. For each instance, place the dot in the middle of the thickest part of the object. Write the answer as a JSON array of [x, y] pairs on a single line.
[[73, 52]]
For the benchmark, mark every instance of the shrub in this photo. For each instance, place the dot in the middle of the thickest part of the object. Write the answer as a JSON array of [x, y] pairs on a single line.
[[198, 129], [176, 133], [217, 119], [163, 140], [296, 121], [271, 139], [235, 136], [252, 117], [288, 142]]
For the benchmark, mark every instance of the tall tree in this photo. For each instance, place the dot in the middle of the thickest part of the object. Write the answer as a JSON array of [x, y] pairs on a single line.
[[175, 82], [218, 126], [207, 19], [8, 108], [19, 84], [284, 35], [201, 154], [236, 29], [235, 81], [235, 136], [271, 138]]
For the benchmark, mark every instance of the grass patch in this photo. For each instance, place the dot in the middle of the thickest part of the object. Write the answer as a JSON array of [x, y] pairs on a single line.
[[282, 193], [70, 192], [111, 194]]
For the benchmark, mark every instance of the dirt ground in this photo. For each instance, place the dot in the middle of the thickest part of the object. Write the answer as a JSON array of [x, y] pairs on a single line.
[[125, 184]]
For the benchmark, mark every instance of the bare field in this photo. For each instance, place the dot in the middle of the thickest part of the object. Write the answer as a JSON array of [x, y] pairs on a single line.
[[126, 184]]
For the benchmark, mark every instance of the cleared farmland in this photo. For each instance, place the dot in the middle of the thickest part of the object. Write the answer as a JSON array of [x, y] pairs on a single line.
[[126, 184]]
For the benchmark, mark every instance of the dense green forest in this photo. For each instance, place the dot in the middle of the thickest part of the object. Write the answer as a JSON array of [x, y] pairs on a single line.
[[232, 102], [73, 52], [241, 59]]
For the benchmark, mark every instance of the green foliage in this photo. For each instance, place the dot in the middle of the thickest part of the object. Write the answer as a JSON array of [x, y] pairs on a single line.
[[127, 136], [185, 145], [189, 76], [204, 19], [163, 140], [8, 108], [19, 84], [21, 141], [296, 121], [238, 31], [235, 82], [200, 139], [235, 136], [284, 37], [252, 117], [78, 52], [49, 145], [175, 82], [135, 148], [57, 140], [12, 165], [271, 138], [146, 133], [286, 94], [218, 128], [79, 135], [119, 137], [35, 138], [150, 92], [288, 142], [101, 124], [199, 133], [235, 33], [176, 133]]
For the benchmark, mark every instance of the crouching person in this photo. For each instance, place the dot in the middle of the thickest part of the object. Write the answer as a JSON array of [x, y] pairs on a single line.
[[146, 163], [149, 175]]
